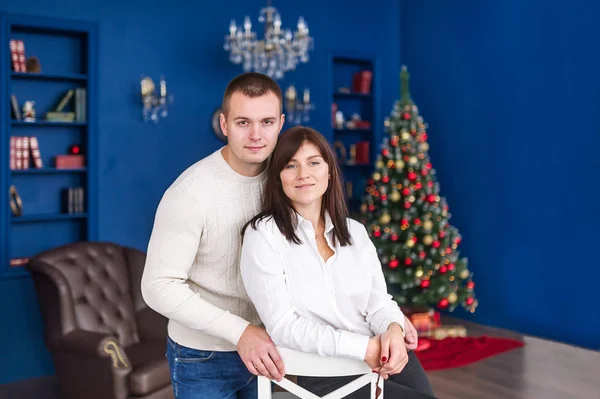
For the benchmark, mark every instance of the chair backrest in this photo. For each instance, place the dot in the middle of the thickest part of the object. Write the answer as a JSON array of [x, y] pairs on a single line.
[[89, 281], [313, 365]]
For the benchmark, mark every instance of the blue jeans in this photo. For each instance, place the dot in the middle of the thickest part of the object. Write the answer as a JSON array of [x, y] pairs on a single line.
[[197, 374]]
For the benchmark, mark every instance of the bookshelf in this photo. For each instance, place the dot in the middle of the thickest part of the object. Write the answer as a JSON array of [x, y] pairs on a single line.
[[352, 99], [67, 51]]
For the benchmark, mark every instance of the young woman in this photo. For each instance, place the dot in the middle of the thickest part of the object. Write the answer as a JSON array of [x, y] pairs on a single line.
[[314, 275]]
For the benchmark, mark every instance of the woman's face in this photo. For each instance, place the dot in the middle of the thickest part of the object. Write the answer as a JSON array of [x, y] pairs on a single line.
[[305, 178]]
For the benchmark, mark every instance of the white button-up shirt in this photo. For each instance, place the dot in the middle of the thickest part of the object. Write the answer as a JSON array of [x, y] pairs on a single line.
[[331, 308]]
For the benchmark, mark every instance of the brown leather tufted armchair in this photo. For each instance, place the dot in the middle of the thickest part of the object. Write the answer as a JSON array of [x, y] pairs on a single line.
[[105, 341]]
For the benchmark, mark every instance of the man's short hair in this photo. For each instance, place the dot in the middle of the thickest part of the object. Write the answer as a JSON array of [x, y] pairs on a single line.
[[251, 84]]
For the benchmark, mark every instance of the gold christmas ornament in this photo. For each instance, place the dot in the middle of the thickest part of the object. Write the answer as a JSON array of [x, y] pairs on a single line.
[[424, 147], [452, 297], [395, 196], [410, 243], [363, 208], [427, 240], [419, 273], [413, 160], [399, 165], [390, 164], [379, 164], [464, 274], [405, 136], [376, 175], [385, 218], [427, 225]]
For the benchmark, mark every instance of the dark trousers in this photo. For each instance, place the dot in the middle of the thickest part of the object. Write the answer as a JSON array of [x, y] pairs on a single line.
[[411, 383]]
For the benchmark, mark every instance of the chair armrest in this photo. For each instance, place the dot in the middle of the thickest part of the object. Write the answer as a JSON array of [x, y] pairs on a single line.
[[151, 324], [96, 345]]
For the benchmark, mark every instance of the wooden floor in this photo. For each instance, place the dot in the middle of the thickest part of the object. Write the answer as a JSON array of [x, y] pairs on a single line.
[[540, 370]]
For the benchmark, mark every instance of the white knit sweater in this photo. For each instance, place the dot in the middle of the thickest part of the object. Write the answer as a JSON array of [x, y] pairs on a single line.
[[192, 273]]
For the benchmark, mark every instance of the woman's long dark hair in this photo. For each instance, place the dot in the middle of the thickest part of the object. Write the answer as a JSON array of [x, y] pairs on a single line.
[[277, 205]]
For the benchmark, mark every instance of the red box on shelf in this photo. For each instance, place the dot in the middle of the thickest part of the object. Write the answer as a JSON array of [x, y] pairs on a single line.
[[362, 152], [361, 82], [69, 161]]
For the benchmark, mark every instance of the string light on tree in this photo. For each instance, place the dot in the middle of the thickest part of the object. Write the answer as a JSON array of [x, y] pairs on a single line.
[[408, 220]]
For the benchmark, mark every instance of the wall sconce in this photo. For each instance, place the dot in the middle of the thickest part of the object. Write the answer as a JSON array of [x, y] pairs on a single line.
[[155, 106], [297, 111]]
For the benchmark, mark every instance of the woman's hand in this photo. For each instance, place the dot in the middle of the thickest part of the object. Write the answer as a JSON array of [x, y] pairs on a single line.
[[373, 356], [393, 350], [411, 338]]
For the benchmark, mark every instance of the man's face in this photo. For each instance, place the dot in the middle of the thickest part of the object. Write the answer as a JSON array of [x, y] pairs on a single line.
[[252, 127]]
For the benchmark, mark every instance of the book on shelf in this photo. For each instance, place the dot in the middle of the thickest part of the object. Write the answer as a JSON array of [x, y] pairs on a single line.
[[22, 148], [73, 100], [73, 201], [16, 113], [17, 55]]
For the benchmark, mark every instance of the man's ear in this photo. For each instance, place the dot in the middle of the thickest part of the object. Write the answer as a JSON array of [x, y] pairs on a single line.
[[223, 123], [282, 122]]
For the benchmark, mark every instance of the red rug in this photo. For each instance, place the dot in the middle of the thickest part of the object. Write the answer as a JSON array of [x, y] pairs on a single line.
[[455, 352]]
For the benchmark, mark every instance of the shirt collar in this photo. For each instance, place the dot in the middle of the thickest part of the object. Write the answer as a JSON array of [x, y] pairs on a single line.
[[328, 222]]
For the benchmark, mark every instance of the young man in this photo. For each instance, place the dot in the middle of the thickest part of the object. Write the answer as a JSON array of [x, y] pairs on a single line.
[[192, 277], [192, 274]]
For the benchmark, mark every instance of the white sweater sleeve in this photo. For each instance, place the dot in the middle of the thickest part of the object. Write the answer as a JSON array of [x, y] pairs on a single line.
[[172, 248], [265, 281]]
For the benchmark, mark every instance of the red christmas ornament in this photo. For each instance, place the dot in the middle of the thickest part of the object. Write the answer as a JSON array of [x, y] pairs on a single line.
[[404, 222], [442, 234], [412, 176], [377, 233], [385, 152], [436, 244], [407, 261], [394, 263], [406, 116], [406, 191], [431, 198], [443, 303], [424, 137], [371, 207], [422, 254], [470, 285], [406, 158], [394, 237], [385, 179], [384, 197], [407, 205], [424, 172], [469, 301], [394, 141], [418, 186], [424, 283], [457, 241], [428, 165], [429, 184], [451, 266], [443, 269]]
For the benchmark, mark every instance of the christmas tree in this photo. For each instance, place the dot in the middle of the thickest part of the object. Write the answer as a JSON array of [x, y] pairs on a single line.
[[408, 220]]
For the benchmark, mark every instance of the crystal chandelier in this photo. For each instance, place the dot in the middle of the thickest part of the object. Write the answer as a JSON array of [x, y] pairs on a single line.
[[278, 52]]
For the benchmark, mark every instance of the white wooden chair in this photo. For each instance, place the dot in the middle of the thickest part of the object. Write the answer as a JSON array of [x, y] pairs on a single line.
[[313, 365]]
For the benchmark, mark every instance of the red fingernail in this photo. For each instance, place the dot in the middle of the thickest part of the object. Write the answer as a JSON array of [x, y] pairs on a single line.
[[384, 359]]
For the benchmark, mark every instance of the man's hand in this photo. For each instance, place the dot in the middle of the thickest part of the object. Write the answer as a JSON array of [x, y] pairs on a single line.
[[393, 350], [411, 337], [259, 353]]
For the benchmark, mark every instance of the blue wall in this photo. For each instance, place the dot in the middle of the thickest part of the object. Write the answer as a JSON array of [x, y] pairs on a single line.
[[510, 90], [138, 161]]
